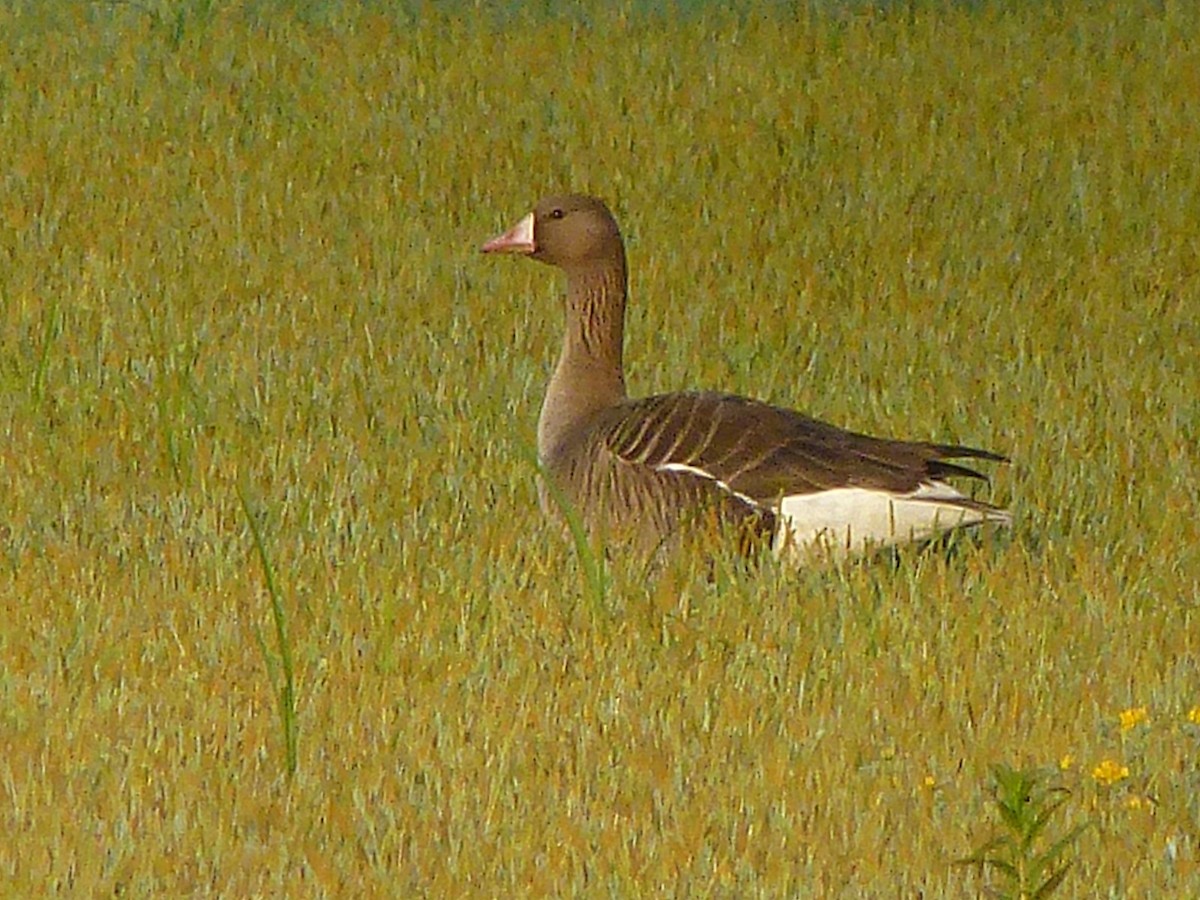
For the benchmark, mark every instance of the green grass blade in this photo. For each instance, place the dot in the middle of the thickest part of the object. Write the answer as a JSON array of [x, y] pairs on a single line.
[[591, 559], [286, 690]]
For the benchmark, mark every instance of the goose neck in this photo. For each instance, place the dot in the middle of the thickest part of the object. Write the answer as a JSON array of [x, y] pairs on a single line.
[[590, 374]]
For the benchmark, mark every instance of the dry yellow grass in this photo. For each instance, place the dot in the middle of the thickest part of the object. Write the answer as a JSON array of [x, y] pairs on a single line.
[[238, 253]]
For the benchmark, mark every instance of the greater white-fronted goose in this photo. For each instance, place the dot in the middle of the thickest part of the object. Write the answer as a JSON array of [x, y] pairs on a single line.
[[647, 471]]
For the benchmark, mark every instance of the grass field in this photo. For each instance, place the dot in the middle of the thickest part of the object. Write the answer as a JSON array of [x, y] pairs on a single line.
[[240, 291]]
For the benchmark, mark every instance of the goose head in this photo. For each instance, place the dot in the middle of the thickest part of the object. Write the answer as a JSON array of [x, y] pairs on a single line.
[[572, 231]]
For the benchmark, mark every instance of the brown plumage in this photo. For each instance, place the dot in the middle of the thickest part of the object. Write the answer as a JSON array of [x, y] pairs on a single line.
[[655, 470]]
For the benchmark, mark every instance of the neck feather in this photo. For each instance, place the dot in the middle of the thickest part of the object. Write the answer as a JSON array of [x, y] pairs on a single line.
[[590, 374]]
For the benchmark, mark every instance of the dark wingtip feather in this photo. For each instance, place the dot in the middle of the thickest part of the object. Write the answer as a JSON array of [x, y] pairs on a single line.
[[941, 468], [956, 451]]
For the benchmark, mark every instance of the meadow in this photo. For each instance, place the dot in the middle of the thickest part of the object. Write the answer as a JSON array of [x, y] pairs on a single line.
[[279, 615]]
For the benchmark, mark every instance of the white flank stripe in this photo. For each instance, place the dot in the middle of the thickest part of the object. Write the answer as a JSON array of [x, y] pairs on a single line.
[[850, 520], [708, 476]]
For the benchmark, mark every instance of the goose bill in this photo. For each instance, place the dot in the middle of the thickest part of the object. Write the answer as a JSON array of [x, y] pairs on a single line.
[[518, 239]]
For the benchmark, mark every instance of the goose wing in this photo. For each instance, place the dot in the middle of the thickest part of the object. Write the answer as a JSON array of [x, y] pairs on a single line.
[[764, 453]]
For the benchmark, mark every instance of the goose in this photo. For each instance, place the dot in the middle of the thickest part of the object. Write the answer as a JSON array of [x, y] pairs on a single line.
[[648, 473]]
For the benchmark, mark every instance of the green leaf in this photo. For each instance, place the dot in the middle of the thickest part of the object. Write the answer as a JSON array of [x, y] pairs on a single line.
[[1051, 883]]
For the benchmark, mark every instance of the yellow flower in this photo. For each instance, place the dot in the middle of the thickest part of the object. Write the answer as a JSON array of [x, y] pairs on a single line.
[[929, 781], [1133, 717], [1066, 762], [1194, 715], [1110, 772]]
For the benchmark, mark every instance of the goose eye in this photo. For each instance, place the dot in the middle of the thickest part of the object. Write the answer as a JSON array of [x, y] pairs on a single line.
[[556, 214]]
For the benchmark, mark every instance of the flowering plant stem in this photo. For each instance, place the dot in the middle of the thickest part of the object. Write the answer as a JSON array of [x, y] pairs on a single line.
[[1025, 804]]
